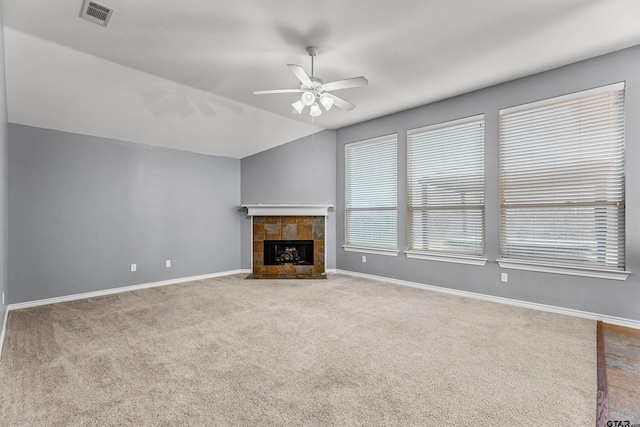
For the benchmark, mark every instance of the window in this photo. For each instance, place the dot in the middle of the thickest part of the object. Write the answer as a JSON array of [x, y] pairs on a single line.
[[562, 182], [445, 176], [371, 193]]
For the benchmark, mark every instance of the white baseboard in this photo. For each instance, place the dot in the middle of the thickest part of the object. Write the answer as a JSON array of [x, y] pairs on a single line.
[[4, 328], [110, 291], [620, 321]]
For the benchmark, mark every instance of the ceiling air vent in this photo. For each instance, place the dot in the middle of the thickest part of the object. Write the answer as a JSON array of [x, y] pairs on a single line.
[[96, 12]]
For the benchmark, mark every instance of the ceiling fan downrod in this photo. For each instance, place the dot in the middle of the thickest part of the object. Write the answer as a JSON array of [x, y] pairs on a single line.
[[313, 51]]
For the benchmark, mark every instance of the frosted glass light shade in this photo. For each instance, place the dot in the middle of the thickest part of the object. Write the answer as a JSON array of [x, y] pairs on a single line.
[[298, 106], [308, 98], [315, 110], [326, 101]]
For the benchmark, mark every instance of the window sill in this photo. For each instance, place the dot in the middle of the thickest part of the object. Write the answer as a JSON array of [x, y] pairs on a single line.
[[460, 259], [376, 251], [563, 269]]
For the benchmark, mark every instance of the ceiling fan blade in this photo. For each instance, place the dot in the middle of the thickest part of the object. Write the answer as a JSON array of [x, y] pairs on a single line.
[[340, 103], [300, 74], [346, 83], [267, 92]]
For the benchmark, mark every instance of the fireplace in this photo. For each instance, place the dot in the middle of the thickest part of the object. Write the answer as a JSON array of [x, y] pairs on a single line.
[[295, 252], [288, 241], [288, 247]]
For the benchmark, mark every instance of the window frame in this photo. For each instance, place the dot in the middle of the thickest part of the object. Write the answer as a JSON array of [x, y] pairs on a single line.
[[446, 255], [562, 266], [372, 249]]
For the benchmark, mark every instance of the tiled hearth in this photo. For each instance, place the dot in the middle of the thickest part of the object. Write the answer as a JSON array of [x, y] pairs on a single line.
[[289, 229]]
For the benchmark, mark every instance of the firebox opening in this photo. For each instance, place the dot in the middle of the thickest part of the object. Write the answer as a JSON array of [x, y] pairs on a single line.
[[296, 252]]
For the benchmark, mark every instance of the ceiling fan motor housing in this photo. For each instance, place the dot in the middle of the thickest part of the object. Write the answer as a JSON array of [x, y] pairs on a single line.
[[316, 84]]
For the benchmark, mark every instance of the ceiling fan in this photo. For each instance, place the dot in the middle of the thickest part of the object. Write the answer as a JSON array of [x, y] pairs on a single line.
[[314, 89]]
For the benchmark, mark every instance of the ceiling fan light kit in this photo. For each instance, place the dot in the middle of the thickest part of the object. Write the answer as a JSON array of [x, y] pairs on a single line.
[[314, 89]]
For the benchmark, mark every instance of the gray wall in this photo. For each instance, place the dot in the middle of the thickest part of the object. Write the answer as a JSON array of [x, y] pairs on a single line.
[[302, 171], [82, 209], [3, 179], [608, 297]]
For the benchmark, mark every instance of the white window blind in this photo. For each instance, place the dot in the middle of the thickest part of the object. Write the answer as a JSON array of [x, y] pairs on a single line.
[[445, 176], [371, 190], [562, 180]]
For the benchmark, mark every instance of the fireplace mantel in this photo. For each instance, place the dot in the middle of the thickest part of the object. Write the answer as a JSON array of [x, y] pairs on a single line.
[[287, 210]]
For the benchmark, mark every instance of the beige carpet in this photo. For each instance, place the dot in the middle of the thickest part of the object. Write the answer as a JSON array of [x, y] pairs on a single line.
[[342, 351]]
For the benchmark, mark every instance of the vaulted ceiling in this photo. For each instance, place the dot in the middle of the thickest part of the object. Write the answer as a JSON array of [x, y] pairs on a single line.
[[180, 73]]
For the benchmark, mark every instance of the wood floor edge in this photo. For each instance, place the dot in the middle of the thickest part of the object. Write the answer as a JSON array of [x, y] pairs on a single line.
[[4, 328], [602, 405]]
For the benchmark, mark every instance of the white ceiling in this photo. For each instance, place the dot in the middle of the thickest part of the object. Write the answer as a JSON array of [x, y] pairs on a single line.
[[180, 73]]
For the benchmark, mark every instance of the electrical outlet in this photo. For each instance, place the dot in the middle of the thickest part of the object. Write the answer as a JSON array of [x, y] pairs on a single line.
[[134, 268], [364, 258], [167, 263], [504, 277]]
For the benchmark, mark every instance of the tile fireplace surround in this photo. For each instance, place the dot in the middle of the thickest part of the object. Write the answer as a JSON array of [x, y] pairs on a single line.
[[288, 223]]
